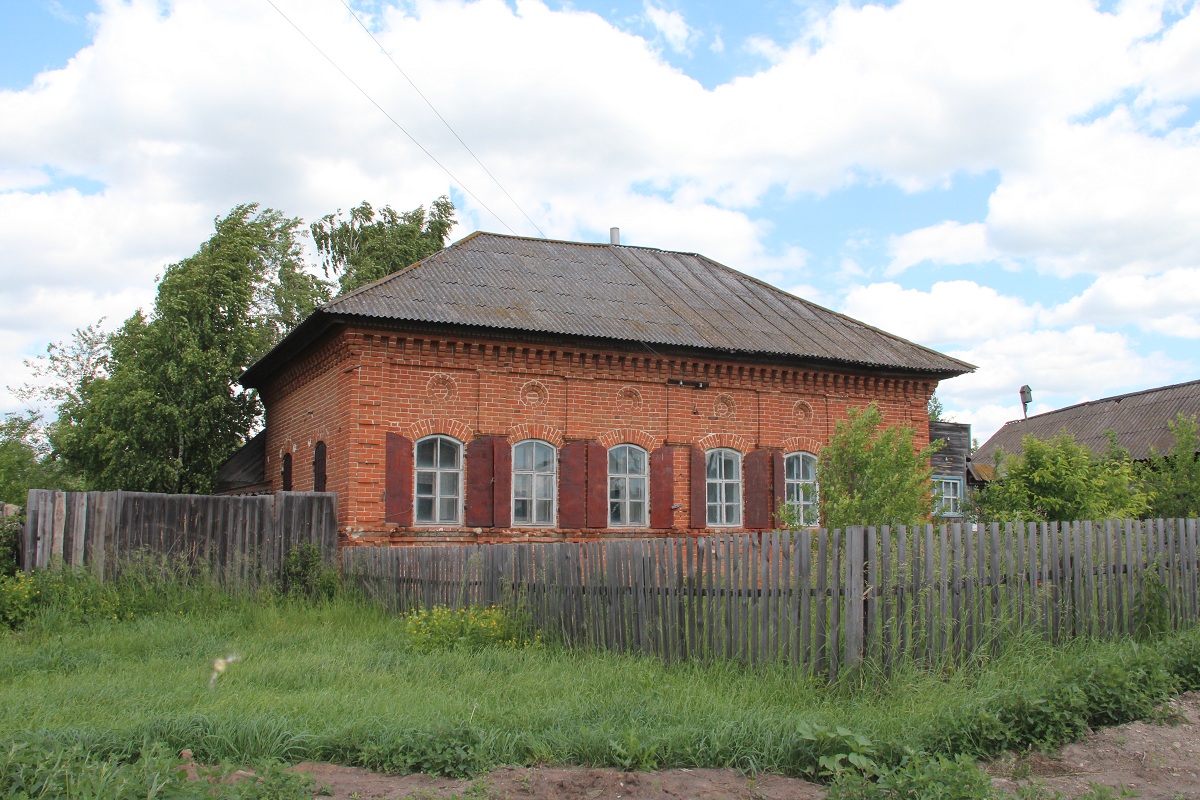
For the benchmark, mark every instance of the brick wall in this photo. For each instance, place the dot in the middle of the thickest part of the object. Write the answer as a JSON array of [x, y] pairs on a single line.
[[359, 385]]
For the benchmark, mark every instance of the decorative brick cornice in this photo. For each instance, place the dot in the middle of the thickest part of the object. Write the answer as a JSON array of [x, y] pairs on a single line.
[[535, 430], [617, 436], [730, 440], [445, 426], [796, 444]]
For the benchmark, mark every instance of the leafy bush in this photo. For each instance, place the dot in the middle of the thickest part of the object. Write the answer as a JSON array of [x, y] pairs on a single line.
[[10, 532], [305, 573], [19, 596], [442, 628], [450, 750], [919, 775]]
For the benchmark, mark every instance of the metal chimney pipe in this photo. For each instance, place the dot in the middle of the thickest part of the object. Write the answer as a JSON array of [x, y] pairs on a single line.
[[614, 235]]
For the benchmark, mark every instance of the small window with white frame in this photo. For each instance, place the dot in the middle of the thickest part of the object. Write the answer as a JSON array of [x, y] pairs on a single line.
[[535, 483], [724, 487], [800, 487], [438, 481], [627, 485], [947, 496]]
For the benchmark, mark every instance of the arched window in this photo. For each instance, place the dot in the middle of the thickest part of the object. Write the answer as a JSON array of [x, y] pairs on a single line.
[[724, 483], [535, 483], [800, 487], [627, 486], [285, 475], [319, 467], [439, 481]]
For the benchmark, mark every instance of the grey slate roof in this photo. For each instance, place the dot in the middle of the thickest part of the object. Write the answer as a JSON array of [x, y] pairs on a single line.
[[246, 467], [1139, 419], [632, 294]]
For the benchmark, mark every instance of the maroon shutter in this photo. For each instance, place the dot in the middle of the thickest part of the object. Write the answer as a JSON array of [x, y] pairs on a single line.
[[699, 489], [597, 485], [479, 465], [662, 488], [398, 480], [758, 489], [778, 492], [572, 485], [502, 483]]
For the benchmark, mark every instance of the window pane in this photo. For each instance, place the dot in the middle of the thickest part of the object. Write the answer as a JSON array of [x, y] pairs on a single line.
[[616, 488], [449, 454], [714, 492], [545, 486], [713, 461], [791, 468], [730, 466], [545, 512], [637, 513], [449, 485], [714, 514], [545, 458], [618, 460], [425, 482], [426, 451], [637, 461], [521, 511], [523, 456], [792, 493], [614, 514], [733, 514], [425, 509], [733, 493], [448, 509], [637, 488], [809, 473], [523, 485]]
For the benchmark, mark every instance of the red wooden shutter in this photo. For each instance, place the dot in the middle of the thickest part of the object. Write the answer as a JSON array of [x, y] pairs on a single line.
[[758, 489], [502, 483], [699, 489], [662, 487], [572, 485], [778, 492], [597, 485], [479, 506], [398, 480]]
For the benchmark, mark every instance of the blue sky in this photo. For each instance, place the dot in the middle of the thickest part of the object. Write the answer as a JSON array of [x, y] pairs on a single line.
[[1009, 181]]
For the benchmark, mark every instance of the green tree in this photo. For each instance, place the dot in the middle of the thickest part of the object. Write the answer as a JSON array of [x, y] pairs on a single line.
[[1173, 480], [935, 409], [872, 475], [1059, 479], [165, 411], [25, 460], [371, 244]]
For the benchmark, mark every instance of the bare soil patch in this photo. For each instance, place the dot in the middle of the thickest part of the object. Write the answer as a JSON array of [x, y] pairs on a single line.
[[1158, 760]]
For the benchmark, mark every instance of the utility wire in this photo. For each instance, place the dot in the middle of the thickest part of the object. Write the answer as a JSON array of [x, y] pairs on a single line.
[[450, 128], [383, 111]]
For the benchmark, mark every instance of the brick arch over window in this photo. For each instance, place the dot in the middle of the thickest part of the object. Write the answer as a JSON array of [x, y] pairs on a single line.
[[616, 436], [535, 430], [446, 426], [797, 444], [729, 440]]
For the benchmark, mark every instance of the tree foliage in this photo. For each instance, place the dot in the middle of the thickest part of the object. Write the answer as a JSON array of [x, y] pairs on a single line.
[[1172, 481], [26, 461], [1059, 479], [872, 475], [157, 409], [370, 244]]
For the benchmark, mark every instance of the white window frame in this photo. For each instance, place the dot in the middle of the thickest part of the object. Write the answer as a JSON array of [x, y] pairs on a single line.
[[808, 512], [441, 474], [940, 483], [627, 479], [723, 483], [534, 474]]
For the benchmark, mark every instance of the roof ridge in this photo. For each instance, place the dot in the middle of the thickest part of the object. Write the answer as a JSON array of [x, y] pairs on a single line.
[[1099, 400]]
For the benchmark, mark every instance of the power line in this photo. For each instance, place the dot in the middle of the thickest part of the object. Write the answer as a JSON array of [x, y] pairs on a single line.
[[449, 127], [391, 119]]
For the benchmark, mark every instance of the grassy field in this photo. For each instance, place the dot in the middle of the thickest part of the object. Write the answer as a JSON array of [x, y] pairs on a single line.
[[343, 681]]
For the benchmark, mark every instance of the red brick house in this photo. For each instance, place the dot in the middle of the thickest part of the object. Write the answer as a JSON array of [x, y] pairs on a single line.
[[514, 388]]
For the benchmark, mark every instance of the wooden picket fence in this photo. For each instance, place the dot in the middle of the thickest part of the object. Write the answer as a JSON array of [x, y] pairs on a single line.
[[240, 538], [820, 600]]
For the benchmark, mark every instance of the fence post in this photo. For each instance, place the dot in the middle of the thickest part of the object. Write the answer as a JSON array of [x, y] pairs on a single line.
[[856, 607]]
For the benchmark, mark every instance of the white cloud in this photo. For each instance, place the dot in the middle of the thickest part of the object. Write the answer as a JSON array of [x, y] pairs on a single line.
[[951, 312], [671, 26], [1168, 304], [947, 242]]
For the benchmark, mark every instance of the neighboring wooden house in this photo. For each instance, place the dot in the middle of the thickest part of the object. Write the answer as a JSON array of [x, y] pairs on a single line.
[[1139, 420], [513, 388], [950, 467]]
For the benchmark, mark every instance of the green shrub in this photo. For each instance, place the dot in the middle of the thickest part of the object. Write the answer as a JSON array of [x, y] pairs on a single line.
[[10, 537], [18, 599], [442, 628], [305, 573], [450, 750], [918, 776]]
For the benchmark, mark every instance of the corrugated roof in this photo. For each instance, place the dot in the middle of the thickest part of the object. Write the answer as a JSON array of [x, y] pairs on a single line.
[[635, 294], [1139, 419]]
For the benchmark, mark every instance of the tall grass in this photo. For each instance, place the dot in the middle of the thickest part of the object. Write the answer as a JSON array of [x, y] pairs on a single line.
[[340, 680]]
